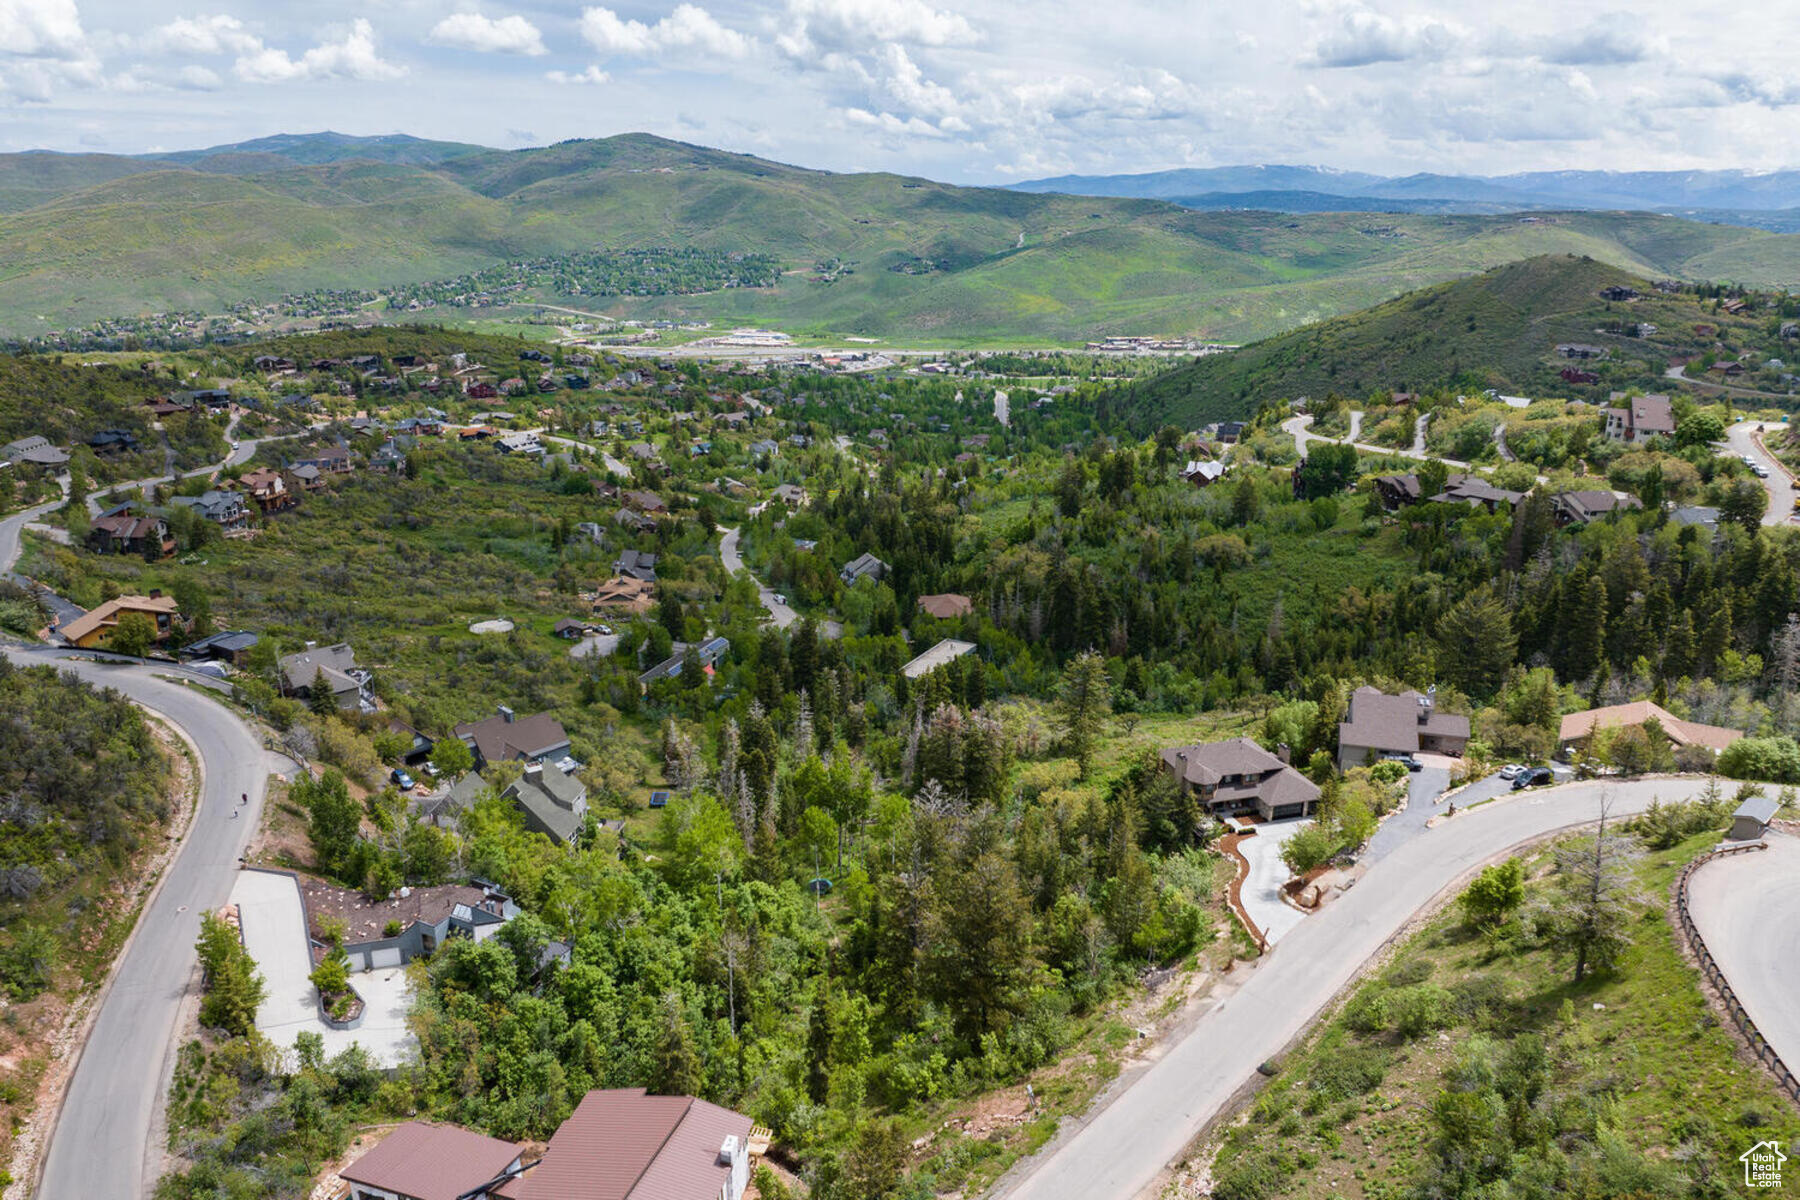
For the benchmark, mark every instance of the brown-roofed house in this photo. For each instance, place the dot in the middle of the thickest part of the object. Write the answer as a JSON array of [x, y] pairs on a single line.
[[503, 737], [1378, 724], [621, 593], [623, 1144], [269, 488], [93, 627], [1579, 508], [427, 917], [122, 533], [1238, 777], [946, 606], [430, 1162], [1640, 418], [1578, 727]]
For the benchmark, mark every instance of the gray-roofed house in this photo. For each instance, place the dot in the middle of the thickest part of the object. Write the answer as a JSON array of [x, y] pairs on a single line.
[[554, 804], [427, 917], [430, 1162], [946, 651], [1580, 508], [228, 645], [1697, 515], [636, 564], [863, 566], [224, 509], [335, 666], [443, 806], [504, 737], [1239, 777], [1377, 724], [36, 450], [707, 654], [1477, 492]]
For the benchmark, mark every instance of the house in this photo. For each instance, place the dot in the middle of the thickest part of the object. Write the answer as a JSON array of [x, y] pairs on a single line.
[[231, 645], [224, 509], [333, 666], [443, 806], [481, 390], [1397, 491], [1239, 777], [946, 606], [1578, 376], [635, 521], [427, 918], [109, 442], [418, 1161], [642, 451], [636, 564], [625, 1144], [330, 460], [123, 533], [570, 628], [1579, 508], [419, 746], [764, 448], [1697, 515], [790, 495], [1477, 492], [92, 628], [646, 502], [212, 398], [946, 651], [1377, 724], [269, 362], [1581, 350], [554, 804], [1729, 367], [305, 479], [622, 593], [504, 738], [707, 654], [863, 566], [34, 450], [1751, 820], [1578, 727], [1618, 292], [520, 443], [1229, 432], [268, 487], [1639, 419], [1201, 473]]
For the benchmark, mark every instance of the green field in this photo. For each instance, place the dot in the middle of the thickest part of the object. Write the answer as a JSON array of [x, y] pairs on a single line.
[[91, 237]]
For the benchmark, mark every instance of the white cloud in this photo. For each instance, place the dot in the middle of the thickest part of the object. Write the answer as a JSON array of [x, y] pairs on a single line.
[[473, 31], [41, 29], [688, 28], [217, 34], [848, 25], [593, 75], [354, 57], [1363, 37]]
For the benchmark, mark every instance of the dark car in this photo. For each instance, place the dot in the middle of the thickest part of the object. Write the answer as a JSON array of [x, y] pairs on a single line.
[[1533, 777], [1407, 760]]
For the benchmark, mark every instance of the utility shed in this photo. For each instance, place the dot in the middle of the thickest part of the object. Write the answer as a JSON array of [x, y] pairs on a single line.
[[1751, 820]]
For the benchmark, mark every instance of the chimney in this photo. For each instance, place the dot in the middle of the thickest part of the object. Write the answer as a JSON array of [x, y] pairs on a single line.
[[534, 770], [506, 714], [156, 593], [1284, 753]]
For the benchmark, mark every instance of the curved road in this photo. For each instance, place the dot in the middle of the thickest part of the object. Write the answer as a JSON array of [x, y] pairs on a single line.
[[1148, 1118], [1743, 908], [1299, 429], [1742, 439], [781, 614]]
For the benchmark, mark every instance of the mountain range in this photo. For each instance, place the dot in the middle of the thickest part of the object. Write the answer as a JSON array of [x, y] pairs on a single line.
[[88, 237]]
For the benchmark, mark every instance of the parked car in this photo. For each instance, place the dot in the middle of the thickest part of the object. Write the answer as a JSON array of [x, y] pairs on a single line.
[[1411, 763], [401, 779], [1534, 777], [1512, 770]]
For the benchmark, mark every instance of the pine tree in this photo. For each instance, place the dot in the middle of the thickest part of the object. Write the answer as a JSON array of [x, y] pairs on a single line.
[[675, 1067], [1083, 700]]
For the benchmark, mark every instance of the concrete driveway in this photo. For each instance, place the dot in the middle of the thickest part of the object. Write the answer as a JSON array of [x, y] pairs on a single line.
[[274, 925], [1262, 887], [1743, 907], [595, 645], [1150, 1114]]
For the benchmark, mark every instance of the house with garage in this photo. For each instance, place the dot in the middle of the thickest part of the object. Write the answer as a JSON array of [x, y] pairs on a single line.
[[228, 646], [624, 594], [411, 923], [34, 450], [334, 668], [127, 533], [506, 737], [222, 508], [1584, 507], [1239, 778], [554, 804], [1376, 724], [1640, 418], [94, 628], [863, 566], [625, 1144], [1578, 727]]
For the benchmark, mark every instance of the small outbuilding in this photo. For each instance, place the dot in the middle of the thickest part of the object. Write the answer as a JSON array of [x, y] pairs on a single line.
[[1751, 820]]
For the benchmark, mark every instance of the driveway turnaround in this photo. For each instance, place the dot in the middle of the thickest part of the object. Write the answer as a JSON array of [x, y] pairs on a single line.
[[274, 924], [102, 1143], [1743, 907], [1148, 1117]]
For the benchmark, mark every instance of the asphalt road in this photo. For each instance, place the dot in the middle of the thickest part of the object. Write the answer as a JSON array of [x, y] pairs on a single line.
[[1741, 438], [1743, 908], [1300, 429], [781, 614], [102, 1144], [1148, 1117]]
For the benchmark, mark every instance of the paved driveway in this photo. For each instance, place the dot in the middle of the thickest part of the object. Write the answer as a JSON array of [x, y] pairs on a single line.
[[1423, 788], [1150, 1114], [1743, 907], [274, 925], [1262, 887]]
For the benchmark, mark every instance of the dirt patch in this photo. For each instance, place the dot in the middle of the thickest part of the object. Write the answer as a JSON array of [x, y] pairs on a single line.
[[43, 1039]]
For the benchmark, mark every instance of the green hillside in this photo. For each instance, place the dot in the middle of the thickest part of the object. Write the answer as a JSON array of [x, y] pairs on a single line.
[[926, 261], [1499, 329]]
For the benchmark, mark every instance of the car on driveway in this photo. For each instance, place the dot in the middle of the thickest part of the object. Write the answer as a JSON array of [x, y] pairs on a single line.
[[1512, 771], [1406, 760], [1533, 777], [401, 779]]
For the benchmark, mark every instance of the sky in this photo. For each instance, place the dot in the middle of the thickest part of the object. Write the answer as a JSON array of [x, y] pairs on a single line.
[[969, 91]]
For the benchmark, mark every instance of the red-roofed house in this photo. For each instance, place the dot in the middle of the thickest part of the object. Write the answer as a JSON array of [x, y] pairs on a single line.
[[623, 1144], [430, 1162]]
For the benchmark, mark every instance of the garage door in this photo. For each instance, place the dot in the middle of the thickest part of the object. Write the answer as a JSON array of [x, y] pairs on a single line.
[[384, 958]]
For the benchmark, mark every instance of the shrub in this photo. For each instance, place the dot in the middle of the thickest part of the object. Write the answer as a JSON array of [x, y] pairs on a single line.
[[1367, 1011], [1418, 1010], [1776, 759], [1349, 1071], [1253, 1176]]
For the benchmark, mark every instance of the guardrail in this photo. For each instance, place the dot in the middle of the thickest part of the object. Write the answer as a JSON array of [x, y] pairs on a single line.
[[1753, 1037]]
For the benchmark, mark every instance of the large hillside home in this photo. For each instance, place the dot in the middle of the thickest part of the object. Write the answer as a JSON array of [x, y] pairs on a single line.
[[1639, 419], [1377, 724], [1240, 778]]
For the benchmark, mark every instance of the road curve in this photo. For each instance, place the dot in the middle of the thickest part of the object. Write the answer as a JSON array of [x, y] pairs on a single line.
[[1148, 1118], [1742, 907], [101, 1144], [780, 613], [1299, 428]]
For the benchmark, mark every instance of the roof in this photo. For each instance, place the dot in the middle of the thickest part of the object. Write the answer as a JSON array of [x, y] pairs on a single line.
[[108, 614], [1576, 726], [1694, 514], [550, 796], [863, 564], [498, 739], [232, 641], [1209, 762], [947, 605], [1760, 808], [458, 797], [334, 662], [1392, 724], [945, 651], [1652, 414], [366, 920], [1584, 505], [623, 1144], [432, 1162]]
